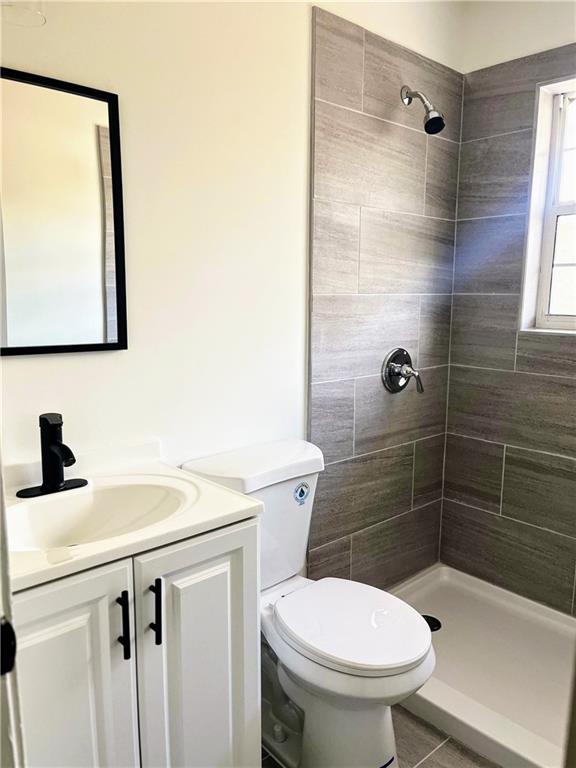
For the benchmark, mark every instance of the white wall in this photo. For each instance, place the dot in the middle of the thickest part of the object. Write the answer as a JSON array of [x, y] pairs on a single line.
[[52, 216], [433, 29], [497, 32], [467, 35], [214, 105], [214, 102]]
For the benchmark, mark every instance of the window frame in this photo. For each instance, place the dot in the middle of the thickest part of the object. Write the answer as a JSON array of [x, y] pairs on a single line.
[[553, 209]]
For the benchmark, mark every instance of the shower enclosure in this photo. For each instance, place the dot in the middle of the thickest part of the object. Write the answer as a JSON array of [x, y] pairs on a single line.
[[460, 498]]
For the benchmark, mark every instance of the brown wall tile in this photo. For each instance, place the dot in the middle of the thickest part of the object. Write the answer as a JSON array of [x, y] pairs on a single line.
[[489, 255], [352, 334], [441, 178], [360, 159], [391, 551], [547, 353], [514, 408], [384, 419], [338, 59], [357, 493], [494, 176], [527, 560], [332, 419], [434, 330], [473, 472], [484, 330], [335, 247], [330, 560], [401, 253], [428, 470], [540, 489]]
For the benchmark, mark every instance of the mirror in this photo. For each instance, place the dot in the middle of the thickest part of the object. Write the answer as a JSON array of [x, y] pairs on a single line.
[[63, 278]]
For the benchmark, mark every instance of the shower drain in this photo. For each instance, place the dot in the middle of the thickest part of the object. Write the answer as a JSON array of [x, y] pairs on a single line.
[[434, 623]]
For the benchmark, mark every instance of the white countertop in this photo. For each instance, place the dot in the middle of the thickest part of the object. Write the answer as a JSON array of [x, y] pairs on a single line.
[[213, 507]]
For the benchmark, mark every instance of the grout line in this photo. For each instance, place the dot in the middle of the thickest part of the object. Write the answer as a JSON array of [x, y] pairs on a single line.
[[371, 376], [502, 480], [404, 293], [510, 445], [496, 135], [420, 762], [451, 323], [425, 176], [512, 519], [511, 370], [394, 517], [479, 293], [516, 352], [383, 450], [573, 590], [359, 249], [382, 119], [493, 216], [354, 418], [413, 474], [363, 65], [328, 543], [350, 556], [321, 199], [419, 331]]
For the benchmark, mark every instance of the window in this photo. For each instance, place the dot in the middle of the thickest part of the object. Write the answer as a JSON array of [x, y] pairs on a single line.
[[556, 296]]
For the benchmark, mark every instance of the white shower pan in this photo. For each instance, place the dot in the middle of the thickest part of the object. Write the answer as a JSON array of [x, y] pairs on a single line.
[[504, 668]]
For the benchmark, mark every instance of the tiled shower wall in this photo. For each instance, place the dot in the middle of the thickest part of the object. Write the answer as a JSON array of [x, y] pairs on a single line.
[[383, 275], [382, 265], [510, 482]]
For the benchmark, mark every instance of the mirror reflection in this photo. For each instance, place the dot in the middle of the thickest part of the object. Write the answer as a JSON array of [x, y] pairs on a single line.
[[62, 253]]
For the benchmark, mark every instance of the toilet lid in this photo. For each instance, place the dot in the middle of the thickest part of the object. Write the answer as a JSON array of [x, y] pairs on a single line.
[[353, 628]]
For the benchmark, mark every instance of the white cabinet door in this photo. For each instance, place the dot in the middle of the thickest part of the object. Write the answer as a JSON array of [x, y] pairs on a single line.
[[199, 690], [77, 691]]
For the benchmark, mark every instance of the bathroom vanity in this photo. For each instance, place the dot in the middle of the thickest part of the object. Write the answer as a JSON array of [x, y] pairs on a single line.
[[141, 648]]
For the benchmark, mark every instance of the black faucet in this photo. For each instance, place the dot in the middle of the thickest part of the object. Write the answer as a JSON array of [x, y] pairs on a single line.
[[55, 456]]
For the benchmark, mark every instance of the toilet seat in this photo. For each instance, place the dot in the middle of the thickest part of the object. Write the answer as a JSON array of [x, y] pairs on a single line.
[[352, 628]]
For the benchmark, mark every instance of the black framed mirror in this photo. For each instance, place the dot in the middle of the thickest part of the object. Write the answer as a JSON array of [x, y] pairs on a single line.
[[62, 260]]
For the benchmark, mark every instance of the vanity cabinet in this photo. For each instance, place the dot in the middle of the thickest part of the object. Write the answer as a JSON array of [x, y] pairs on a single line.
[[77, 692], [198, 673], [183, 692]]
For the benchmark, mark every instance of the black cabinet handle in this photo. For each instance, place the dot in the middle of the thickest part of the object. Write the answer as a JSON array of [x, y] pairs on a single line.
[[7, 646], [156, 625], [124, 639]]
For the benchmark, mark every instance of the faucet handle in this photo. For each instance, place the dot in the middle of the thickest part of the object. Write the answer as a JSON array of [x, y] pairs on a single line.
[[407, 371], [50, 420], [397, 370]]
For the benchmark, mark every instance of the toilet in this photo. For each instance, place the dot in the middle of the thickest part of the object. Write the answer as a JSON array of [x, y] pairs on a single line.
[[336, 654]]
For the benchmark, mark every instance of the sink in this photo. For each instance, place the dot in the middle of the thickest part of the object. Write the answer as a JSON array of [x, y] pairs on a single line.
[[105, 508]]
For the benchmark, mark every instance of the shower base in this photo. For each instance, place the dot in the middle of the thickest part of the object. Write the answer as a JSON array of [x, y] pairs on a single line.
[[504, 668]]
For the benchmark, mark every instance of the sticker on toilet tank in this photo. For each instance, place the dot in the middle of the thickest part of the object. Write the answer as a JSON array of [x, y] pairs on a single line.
[[301, 493]]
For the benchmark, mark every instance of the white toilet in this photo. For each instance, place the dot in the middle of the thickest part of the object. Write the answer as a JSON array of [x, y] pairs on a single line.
[[342, 652]]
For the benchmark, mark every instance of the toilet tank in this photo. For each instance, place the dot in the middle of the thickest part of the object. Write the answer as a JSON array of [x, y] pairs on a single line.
[[282, 475]]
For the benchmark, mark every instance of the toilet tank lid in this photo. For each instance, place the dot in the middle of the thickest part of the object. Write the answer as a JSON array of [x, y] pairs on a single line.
[[258, 466]]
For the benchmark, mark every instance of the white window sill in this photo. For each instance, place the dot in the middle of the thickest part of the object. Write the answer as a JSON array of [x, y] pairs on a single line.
[[548, 331]]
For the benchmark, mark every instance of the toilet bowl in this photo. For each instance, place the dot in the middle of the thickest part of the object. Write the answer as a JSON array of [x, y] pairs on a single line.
[[337, 654], [346, 653]]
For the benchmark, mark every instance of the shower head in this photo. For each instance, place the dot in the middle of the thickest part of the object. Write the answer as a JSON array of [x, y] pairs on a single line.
[[433, 119]]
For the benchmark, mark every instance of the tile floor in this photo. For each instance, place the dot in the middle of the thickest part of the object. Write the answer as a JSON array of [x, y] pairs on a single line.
[[422, 745]]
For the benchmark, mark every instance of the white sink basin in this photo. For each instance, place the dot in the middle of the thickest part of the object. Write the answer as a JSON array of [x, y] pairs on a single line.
[[105, 508]]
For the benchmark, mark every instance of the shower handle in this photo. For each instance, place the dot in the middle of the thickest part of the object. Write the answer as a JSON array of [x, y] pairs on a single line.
[[407, 371], [397, 370]]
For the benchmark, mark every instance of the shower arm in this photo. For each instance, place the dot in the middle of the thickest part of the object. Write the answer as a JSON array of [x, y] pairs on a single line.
[[408, 95]]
